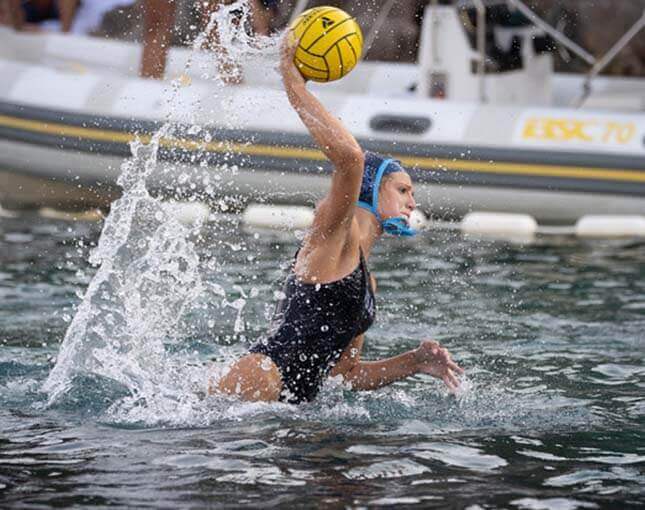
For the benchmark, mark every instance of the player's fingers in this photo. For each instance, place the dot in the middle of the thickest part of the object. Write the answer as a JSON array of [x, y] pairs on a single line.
[[453, 366], [453, 379], [449, 381]]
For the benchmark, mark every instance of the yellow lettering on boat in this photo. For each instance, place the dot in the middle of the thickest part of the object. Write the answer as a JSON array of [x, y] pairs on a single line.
[[578, 130]]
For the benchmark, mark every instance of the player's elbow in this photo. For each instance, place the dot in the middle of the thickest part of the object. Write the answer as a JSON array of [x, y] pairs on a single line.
[[356, 157], [354, 378], [351, 160]]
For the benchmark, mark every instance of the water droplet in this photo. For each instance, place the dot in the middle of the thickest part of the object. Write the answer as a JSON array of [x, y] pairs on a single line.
[[279, 295], [324, 328], [302, 357], [238, 304]]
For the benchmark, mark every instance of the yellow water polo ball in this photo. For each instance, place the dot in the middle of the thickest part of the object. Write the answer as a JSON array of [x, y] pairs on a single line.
[[330, 43]]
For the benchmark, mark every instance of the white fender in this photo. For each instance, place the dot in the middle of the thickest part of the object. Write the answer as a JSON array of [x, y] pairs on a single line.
[[283, 217], [499, 224], [610, 226]]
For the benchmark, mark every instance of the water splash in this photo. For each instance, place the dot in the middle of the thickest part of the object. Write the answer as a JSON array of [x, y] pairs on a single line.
[[229, 26], [148, 274]]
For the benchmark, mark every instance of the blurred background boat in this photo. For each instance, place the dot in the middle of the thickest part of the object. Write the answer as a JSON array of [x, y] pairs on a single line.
[[481, 119]]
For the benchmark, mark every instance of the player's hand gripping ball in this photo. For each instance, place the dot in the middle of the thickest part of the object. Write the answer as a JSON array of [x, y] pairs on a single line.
[[330, 43]]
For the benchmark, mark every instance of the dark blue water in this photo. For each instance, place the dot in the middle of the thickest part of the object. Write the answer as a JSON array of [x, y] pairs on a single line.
[[552, 415]]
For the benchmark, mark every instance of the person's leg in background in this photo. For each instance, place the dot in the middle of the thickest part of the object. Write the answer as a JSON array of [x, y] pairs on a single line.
[[16, 14], [158, 22], [261, 17], [66, 12]]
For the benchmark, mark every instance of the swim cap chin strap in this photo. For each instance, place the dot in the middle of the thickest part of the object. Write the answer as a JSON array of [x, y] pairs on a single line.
[[393, 226]]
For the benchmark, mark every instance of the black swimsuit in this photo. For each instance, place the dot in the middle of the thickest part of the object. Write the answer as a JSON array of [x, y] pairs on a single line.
[[313, 324]]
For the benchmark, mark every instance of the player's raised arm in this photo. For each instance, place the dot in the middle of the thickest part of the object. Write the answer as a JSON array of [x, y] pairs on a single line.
[[333, 138]]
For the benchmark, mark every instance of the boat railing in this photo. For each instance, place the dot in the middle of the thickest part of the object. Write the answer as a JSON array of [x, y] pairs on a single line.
[[553, 32], [600, 64], [597, 64]]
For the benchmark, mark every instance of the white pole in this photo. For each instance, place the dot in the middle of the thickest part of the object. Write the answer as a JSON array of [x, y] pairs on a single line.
[[300, 6], [435, 36], [380, 19], [481, 47]]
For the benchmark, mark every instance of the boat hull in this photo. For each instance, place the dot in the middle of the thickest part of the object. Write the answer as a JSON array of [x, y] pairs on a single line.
[[254, 165]]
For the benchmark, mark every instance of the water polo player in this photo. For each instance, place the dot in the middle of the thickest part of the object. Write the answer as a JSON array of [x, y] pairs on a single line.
[[328, 305]]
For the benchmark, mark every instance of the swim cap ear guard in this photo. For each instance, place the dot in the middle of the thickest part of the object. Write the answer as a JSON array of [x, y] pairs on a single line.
[[375, 169]]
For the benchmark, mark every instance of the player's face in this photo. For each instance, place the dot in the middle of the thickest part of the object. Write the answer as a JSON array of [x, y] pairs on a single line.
[[396, 196]]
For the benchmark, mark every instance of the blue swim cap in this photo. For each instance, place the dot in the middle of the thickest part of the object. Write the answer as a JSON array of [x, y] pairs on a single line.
[[376, 167]]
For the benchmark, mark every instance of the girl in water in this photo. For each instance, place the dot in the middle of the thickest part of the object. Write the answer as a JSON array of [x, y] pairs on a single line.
[[328, 305]]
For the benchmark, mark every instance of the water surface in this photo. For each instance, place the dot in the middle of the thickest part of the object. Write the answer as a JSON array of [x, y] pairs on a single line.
[[552, 414]]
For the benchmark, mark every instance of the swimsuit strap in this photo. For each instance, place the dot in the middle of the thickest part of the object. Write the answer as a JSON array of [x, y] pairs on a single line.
[[367, 283]]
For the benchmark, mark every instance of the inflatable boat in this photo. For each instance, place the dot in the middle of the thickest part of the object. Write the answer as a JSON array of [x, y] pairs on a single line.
[[481, 120]]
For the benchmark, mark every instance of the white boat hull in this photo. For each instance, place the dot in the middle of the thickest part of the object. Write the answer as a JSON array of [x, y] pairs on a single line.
[[68, 122]]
